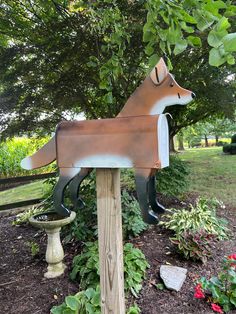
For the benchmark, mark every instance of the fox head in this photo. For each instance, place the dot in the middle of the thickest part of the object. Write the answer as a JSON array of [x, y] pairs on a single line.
[[157, 91]]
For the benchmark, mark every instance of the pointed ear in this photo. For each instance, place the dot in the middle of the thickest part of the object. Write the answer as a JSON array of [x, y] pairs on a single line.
[[159, 72]]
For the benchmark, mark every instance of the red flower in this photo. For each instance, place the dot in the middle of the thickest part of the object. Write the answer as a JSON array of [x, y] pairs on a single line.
[[199, 292], [199, 295], [216, 308], [232, 256]]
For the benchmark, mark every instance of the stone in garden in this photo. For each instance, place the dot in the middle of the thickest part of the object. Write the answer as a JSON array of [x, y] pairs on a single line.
[[173, 276]]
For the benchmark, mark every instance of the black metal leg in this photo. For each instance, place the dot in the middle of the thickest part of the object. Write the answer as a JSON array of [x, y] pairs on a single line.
[[156, 207], [66, 175], [75, 186], [142, 191]]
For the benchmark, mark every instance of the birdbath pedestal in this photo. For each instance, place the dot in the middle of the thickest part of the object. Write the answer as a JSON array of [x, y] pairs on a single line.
[[51, 222]]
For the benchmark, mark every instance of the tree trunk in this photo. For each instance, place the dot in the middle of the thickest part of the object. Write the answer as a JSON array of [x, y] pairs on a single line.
[[172, 145], [180, 142], [217, 139], [206, 141]]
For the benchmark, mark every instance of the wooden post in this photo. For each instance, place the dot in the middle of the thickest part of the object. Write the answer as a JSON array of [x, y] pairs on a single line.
[[110, 241]]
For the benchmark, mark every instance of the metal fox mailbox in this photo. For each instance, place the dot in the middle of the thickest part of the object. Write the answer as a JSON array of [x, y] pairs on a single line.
[[137, 138]]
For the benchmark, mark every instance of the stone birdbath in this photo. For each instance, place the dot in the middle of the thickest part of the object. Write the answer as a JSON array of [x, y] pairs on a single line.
[[51, 222]]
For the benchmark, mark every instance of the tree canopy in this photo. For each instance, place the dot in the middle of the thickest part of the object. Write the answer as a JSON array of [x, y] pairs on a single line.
[[60, 58]]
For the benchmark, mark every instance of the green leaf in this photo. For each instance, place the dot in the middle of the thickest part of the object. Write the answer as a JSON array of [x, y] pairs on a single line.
[[160, 286], [103, 85], [214, 38], [223, 299], [216, 281], [226, 308], [216, 293], [72, 303], [58, 309], [188, 29], [153, 60], [96, 299], [202, 21], [223, 24], [180, 46], [229, 42], [194, 41], [149, 50], [233, 300], [188, 18], [230, 59], [216, 58], [68, 311], [108, 98], [147, 33], [89, 293]]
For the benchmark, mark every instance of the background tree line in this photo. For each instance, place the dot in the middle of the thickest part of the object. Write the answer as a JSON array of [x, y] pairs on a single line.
[[60, 58]]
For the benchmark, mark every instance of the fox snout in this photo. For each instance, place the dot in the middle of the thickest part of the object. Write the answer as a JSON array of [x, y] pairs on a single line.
[[182, 96]]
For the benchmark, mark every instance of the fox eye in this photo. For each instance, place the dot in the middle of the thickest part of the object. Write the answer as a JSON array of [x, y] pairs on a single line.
[[172, 84]]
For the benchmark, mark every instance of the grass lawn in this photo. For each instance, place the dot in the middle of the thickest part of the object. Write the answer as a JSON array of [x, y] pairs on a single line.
[[23, 192], [212, 173]]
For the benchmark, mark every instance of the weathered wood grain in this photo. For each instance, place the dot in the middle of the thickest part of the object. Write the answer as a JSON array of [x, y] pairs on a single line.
[[110, 241]]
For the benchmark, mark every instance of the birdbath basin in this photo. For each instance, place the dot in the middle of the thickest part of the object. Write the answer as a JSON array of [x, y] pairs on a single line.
[[51, 222]]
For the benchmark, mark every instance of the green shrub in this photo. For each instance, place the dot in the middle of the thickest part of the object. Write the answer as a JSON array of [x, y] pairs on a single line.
[[84, 227], [133, 223], [12, 151], [23, 217], [227, 148], [195, 141], [134, 310], [127, 180], [230, 148], [86, 267], [34, 248], [201, 216], [195, 244], [85, 302], [233, 139], [196, 229], [173, 180]]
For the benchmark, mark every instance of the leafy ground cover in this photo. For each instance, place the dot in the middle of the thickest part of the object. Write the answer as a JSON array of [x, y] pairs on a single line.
[[22, 271], [212, 173]]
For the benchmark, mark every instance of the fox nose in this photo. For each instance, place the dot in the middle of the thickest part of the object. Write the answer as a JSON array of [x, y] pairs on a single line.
[[193, 95]]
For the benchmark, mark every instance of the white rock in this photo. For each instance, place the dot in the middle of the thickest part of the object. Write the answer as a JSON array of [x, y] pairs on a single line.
[[173, 276]]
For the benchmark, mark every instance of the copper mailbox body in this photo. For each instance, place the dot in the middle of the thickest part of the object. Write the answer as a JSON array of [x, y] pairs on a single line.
[[139, 142]]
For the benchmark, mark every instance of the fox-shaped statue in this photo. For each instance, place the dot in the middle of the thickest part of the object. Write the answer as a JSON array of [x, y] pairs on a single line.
[[137, 138]]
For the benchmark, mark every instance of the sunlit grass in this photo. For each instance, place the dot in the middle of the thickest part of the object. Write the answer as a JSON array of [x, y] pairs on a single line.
[[23, 192], [212, 173]]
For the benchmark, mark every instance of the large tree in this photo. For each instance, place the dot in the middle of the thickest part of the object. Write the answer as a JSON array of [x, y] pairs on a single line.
[[59, 57]]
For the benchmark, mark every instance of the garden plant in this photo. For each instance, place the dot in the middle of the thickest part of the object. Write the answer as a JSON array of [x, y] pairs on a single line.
[[231, 148], [196, 229], [220, 290]]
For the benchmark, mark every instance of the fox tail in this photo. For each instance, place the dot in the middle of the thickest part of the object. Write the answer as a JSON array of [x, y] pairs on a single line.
[[44, 156]]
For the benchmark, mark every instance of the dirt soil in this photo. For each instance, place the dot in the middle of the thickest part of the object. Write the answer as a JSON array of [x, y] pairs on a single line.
[[24, 290]]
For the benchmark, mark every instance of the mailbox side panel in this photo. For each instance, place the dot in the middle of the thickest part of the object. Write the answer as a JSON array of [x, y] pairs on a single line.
[[109, 143]]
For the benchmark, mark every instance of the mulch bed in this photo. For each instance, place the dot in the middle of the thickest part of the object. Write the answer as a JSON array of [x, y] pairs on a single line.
[[24, 290]]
